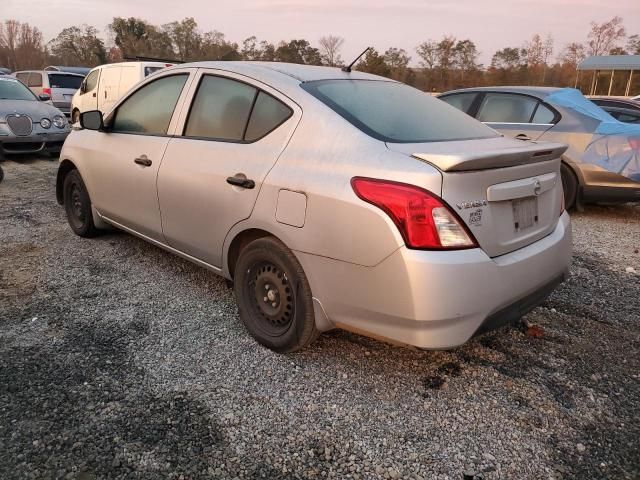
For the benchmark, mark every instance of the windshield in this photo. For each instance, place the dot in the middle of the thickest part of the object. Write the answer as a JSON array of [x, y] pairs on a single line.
[[60, 80], [12, 89], [396, 113]]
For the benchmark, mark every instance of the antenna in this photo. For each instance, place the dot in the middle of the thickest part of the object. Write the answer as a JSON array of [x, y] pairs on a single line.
[[348, 68]]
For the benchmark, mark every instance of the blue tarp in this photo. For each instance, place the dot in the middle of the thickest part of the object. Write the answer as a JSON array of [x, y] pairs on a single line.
[[615, 145]]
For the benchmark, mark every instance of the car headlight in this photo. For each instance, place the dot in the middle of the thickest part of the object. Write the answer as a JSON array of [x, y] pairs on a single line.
[[59, 121], [45, 123]]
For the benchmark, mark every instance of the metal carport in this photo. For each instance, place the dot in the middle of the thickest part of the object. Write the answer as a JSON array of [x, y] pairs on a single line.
[[613, 63]]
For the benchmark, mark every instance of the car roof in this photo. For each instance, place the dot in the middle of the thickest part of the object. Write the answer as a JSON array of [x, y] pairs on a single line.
[[297, 72], [55, 72], [539, 92]]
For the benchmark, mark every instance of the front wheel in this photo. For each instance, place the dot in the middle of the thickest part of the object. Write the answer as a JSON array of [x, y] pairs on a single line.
[[75, 116], [77, 204], [569, 186], [274, 297]]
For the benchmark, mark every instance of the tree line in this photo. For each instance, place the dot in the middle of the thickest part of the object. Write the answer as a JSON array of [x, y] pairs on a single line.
[[442, 64]]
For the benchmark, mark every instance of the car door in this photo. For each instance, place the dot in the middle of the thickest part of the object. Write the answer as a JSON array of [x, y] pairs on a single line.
[[519, 116], [124, 159], [231, 136]]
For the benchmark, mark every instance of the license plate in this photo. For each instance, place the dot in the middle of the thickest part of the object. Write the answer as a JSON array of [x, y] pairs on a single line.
[[525, 213]]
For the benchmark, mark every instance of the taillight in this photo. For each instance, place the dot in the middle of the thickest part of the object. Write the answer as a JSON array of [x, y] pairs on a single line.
[[423, 219], [46, 91]]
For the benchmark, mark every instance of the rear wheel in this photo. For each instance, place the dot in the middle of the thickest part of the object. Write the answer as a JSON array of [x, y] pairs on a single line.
[[77, 204], [274, 297], [1, 174], [569, 186]]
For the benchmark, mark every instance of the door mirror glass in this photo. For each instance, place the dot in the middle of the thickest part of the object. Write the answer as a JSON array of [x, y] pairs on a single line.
[[92, 120], [44, 97]]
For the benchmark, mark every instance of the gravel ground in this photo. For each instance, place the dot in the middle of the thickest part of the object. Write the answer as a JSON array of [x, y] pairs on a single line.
[[118, 360]]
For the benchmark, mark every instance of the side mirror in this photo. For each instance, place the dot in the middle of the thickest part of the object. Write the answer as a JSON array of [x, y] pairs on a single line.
[[83, 87], [44, 97], [92, 120]]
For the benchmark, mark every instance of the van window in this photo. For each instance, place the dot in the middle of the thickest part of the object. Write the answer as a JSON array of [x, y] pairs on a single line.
[[149, 70], [149, 109], [60, 80], [91, 81], [267, 115], [220, 109]]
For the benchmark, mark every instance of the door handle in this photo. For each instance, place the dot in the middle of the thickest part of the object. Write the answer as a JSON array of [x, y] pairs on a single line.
[[143, 160], [523, 136], [241, 182], [94, 95], [105, 94]]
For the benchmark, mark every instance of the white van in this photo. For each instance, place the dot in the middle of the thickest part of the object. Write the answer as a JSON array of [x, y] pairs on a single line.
[[104, 85]]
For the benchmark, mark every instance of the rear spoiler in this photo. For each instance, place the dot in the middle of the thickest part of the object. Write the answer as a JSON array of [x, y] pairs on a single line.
[[530, 152]]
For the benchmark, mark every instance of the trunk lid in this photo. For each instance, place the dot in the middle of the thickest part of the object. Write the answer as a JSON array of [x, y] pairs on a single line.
[[507, 192]]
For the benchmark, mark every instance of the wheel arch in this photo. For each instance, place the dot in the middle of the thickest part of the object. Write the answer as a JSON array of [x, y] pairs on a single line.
[[239, 242], [65, 167]]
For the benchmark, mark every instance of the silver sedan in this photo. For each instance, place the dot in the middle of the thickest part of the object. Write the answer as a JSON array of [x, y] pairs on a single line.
[[331, 199], [27, 123], [602, 162]]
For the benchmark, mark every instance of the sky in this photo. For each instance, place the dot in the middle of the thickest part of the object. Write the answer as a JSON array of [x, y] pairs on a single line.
[[491, 24]]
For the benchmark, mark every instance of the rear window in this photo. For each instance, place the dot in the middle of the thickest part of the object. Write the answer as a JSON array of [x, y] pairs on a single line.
[[60, 80], [396, 113]]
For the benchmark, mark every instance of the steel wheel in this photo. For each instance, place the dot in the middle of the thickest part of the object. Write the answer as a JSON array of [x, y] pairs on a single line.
[[274, 299]]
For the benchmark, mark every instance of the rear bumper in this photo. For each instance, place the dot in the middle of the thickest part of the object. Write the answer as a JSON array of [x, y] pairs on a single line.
[[50, 142], [439, 299]]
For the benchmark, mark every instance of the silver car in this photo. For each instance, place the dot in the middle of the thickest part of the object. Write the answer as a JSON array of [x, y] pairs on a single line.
[[330, 199], [27, 123], [60, 86], [596, 167]]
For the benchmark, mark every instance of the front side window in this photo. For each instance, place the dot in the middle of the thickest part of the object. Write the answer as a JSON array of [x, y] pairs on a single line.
[[396, 113], [91, 81], [35, 79], [220, 109], [60, 80], [149, 109], [462, 101], [506, 108]]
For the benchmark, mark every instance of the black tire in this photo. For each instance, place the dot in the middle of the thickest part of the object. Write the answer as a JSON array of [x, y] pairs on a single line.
[[75, 116], [1, 174], [285, 321], [77, 204], [569, 186]]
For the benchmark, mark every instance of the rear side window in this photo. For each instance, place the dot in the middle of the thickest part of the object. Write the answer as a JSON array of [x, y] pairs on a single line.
[[35, 79], [506, 108], [59, 80], [462, 101], [92, 80], [23, 77], [220, 109], [396, 113], [267, 115], [543, 115], [149, 109]]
